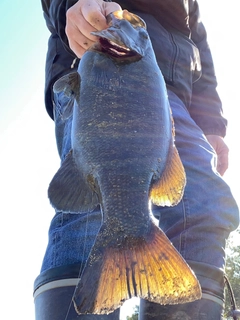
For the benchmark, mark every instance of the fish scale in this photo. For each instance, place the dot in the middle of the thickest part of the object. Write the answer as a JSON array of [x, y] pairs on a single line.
[[131, 202]]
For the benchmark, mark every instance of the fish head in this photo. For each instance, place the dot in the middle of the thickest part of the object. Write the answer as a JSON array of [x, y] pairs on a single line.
[[125, 39]]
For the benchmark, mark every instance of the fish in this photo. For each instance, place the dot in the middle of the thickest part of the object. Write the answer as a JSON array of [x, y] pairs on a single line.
[[123, 159]]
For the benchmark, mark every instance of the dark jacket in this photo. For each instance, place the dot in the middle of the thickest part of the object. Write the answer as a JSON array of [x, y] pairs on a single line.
[[179, 41]]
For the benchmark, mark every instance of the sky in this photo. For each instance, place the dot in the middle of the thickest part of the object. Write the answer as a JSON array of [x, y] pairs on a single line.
[[29, 155]]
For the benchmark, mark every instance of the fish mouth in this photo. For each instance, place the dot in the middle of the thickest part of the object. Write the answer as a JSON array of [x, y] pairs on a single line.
[[115, 49], [120, 39]]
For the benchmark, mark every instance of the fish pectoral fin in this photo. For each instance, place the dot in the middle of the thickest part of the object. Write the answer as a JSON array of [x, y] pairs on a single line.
[[68, 110], [168, 189], [69, 191], [149, 268], [68, 84]]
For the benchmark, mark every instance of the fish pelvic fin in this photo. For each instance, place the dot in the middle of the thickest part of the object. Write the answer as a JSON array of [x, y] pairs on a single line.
[[69, 191], [168, 189], [149, 268]]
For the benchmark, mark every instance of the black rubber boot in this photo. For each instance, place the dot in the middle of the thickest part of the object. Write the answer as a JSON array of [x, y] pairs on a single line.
[[53, 293], [55, 304], [203, 309]]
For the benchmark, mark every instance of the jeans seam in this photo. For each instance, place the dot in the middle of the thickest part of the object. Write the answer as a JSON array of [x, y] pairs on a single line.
[[56, 237], [182, 238]]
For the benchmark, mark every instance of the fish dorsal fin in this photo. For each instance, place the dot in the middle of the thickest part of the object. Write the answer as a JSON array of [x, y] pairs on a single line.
[[168, 189], [69, 191]]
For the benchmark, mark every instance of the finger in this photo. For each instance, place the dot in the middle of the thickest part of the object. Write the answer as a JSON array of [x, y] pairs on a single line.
[[78, 43], [76, 36], [94, 17], [222, 163], [110, 7], [83, 18], [77, 49], [95, 13], [76, 25]]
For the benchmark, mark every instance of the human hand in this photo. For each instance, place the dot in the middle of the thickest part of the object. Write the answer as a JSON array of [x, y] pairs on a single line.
[[221, 150], [83, 18]]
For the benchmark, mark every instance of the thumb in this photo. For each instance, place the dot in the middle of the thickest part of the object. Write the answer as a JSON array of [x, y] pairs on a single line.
[[95, 12], [222, 152]]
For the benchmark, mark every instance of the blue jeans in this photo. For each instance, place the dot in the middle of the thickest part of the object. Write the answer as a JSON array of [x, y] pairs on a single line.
[[198, 226]]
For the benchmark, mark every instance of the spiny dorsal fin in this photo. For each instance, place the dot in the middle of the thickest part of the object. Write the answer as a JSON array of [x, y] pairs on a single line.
[[69, 191], [168, 190], [149, 268]]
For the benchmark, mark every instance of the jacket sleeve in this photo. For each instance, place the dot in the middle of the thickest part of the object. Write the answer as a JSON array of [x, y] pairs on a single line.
[[55, 16], [206, 106]]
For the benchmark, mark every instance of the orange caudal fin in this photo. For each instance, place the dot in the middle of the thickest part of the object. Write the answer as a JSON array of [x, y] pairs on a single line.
[[168, 189], [149, 268]]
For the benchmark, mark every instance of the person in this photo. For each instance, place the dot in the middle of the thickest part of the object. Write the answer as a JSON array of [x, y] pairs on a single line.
[[200, 224]]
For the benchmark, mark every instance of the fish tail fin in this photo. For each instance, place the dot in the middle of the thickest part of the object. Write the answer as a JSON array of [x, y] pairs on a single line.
[[149, 268]]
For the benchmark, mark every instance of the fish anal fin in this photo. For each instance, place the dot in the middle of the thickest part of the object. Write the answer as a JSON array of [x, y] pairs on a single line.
[[150, 268], [168, 189], [69, 191]]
